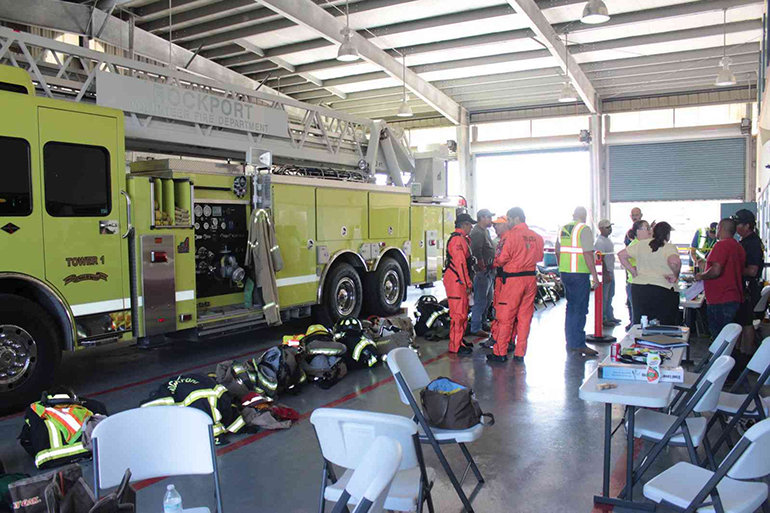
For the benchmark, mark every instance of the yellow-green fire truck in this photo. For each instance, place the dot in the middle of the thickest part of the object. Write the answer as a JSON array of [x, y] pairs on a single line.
[[95, 252]]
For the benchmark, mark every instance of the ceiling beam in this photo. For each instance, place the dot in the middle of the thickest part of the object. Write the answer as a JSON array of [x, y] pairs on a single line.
[[654, 14], [546, 35], [287, 66], [76, 19], [308, 14]]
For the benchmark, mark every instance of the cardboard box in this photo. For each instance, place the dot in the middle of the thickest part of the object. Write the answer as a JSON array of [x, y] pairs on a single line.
[[628, 372]]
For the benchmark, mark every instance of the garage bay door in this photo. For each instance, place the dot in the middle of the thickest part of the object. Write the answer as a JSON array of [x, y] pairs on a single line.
[[680, 170]]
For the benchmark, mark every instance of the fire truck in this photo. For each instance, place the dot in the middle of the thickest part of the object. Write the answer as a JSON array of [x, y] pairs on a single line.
[[99, 244]]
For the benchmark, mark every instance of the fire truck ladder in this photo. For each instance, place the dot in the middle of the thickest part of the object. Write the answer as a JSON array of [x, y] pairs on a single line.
[[309, 134]]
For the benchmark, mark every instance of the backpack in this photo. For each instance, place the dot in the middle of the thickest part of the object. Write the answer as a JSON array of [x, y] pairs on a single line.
[[278, 371], [450, 405], [203, 393], [432, 319], [53, 427]]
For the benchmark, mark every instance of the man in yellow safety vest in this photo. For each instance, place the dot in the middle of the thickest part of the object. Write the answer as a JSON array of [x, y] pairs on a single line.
[[575, 250]]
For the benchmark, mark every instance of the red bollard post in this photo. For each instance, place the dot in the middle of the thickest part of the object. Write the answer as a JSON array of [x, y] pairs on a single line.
[[599, 336]]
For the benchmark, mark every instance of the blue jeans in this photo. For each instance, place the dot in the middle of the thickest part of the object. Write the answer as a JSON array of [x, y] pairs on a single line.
[[608, 292], [720, 316], [578, 289], [483, 290]]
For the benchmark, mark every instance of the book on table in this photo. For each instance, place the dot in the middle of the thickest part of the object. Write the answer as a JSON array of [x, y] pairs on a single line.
[[660, 341], [662, 329]]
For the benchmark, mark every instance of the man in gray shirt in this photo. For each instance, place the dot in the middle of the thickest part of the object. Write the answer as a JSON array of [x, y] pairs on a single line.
[[484, 279]]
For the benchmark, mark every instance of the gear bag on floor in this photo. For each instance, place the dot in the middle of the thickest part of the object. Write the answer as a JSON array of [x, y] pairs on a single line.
[[203, 393], [53, 427], [450, 405]]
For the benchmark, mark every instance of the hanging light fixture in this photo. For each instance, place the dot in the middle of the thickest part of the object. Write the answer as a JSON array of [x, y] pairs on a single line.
[[567, 94], [595, 12], [725, 77], [404, 110], [347, 51]]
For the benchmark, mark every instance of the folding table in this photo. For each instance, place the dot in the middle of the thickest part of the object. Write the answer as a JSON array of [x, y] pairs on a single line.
[[633, 395]]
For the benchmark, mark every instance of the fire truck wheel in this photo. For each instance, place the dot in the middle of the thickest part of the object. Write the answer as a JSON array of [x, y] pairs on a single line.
[[342, 295], [29, 350], [385, 288]]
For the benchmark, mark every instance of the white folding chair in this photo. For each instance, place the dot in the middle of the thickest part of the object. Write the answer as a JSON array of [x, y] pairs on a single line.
[[682, 430], [723, 344], [761, 305], [344, 436], [371, 481], [751, 405], [411, 376], [689, 488], [155, 442]]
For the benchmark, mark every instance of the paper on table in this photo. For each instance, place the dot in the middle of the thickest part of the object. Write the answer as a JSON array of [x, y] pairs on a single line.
[[693, 290]]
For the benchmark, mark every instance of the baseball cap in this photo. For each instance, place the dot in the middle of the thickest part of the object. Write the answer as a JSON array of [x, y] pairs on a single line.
[[713, 227], [743, 216], [464, 218], [484, 213], [500, 220], [604, 223]]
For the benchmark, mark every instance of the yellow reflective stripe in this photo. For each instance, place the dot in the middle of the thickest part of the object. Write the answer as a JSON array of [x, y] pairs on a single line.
[[263, 380], [324, 351], [61, 452], [237, 425], [360, 347], [219, 429], [54, 437], [163, 401], [274, 248]]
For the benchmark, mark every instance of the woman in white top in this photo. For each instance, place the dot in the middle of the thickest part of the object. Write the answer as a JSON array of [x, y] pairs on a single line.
[[654, 291]]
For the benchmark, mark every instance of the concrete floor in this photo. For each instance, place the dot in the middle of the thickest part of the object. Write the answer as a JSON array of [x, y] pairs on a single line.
[[544, 453]]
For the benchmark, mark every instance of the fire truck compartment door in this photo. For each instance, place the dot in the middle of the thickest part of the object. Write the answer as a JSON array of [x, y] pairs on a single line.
[[84, 214]]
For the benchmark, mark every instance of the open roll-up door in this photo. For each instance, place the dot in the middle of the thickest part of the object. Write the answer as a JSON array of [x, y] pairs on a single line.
[[678, 170]]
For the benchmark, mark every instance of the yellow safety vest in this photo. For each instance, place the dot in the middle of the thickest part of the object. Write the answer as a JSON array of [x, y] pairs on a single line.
[[571, 258]]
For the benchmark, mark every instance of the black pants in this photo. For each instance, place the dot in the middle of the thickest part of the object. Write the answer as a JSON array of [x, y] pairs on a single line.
[[656, 303]]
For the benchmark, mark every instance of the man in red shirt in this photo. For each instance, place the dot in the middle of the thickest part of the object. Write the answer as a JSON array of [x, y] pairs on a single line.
[[517, 255], [458, 282], [723, 277]]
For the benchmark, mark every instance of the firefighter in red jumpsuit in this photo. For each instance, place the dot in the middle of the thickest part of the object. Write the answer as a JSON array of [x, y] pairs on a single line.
[[458, 282], [517, 255]]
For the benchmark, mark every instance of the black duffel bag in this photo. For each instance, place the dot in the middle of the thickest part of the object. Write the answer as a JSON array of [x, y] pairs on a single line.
[[450, 405]]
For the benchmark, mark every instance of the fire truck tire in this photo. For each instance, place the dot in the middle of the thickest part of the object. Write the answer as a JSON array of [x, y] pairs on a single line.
[[29, 350], [342, 295], [385, 288]]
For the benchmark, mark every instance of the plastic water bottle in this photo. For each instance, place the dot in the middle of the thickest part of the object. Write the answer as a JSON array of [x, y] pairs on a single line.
[[172, 502]]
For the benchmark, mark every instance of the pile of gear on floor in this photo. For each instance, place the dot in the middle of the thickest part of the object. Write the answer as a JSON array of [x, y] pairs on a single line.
[[240, 396]]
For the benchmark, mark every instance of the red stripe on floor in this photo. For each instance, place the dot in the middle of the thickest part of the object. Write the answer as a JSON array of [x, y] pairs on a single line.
[[618, 478], [263, 434]]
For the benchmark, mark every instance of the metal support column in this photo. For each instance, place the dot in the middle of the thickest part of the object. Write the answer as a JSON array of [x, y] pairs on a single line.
[[599, 178], [467, 174]]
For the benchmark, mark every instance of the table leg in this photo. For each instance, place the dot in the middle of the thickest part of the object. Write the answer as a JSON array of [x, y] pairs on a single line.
[[691, 321], [607, 449], [630, 417], [605, 497]]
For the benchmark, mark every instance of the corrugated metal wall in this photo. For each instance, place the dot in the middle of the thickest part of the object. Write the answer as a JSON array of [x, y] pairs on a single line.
[[681, 170]]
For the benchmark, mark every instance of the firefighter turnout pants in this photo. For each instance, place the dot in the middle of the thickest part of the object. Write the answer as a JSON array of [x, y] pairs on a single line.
[[514, 307], [458, 311]]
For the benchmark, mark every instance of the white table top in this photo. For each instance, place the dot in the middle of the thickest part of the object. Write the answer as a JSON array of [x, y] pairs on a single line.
[[632, 393], [693, 303]]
